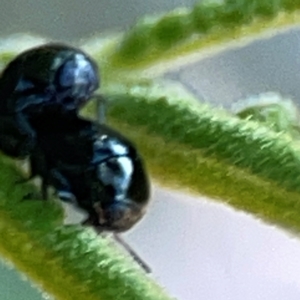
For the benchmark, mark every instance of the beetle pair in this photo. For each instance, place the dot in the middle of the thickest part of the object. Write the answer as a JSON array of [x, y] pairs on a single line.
[[89, 164]]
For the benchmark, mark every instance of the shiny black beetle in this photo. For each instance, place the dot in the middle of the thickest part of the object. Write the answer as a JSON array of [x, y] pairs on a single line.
[[95, 164], [96, 168], [50, 79]]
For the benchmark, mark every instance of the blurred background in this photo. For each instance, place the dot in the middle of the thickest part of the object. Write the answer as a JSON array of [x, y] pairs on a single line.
[[69, 20], [197, 249]]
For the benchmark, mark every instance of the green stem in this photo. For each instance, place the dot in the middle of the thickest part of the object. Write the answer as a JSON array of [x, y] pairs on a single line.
[[185, 31], [214, 153]]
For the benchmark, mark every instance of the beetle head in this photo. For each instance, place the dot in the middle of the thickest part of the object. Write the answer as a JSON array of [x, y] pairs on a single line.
[[118, 216]]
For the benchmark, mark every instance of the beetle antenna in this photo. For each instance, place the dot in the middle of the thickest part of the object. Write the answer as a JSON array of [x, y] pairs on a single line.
[[120, 241], [100, 108], [134, 255]]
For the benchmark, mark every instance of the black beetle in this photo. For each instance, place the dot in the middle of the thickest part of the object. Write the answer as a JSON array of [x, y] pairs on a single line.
[[96, 164], [96, 168], [50, 79]]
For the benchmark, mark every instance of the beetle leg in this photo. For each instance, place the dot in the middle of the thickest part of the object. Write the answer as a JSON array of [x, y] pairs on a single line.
[[44, 190], [14, 141], [34, 160], [24, 126], [27, 133], [132, 253], [62, 186]]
